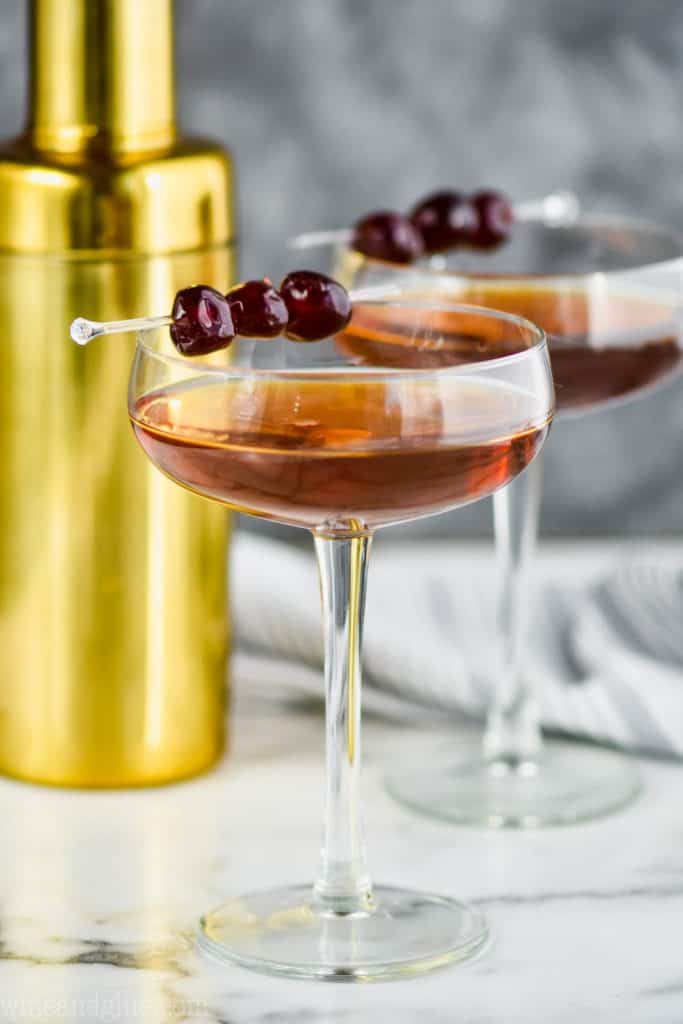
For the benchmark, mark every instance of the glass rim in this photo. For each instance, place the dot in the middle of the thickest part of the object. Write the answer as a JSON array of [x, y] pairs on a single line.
[[539, 342], [606, 220]]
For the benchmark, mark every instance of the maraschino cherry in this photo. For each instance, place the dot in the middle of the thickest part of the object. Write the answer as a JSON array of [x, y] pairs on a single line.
[[444, 220], [307, 307], [494, 219], [318, 305], [387, 236], [202, 322], [441, 221], [258, 310]]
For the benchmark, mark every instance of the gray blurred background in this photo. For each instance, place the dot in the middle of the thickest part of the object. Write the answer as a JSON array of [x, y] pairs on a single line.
[[337, 107]]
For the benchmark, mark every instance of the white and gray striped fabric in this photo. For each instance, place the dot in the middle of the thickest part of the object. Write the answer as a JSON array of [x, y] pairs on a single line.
[[605, 650]]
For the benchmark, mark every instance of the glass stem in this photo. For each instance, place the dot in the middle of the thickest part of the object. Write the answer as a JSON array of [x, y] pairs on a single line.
[[343, 885], [513, 731]]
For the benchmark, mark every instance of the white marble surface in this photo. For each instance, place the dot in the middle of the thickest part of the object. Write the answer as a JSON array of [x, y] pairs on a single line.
[[100, 893]]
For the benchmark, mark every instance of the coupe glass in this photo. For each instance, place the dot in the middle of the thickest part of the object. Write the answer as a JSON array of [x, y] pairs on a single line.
[[608, 292], [303, 435]]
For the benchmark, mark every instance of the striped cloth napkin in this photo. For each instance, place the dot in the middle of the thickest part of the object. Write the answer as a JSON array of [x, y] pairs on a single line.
[[605, 650]]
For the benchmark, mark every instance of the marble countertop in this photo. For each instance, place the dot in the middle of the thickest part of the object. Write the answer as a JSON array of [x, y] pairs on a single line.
[[101, 892]]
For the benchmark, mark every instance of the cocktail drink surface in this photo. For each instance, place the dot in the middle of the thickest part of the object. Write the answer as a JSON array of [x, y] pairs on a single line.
[[305, 435], [597, 355], [608, 292], [314, 452]]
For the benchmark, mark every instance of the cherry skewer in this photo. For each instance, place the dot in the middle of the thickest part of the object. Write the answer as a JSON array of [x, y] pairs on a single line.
[[556, 208], [83, 331]]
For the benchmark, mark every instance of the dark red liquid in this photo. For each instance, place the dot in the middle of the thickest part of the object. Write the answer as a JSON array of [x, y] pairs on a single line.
[[602, 347], [324, 452]]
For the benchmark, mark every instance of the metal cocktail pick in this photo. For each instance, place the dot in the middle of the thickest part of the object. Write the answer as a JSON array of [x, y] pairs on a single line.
[[83, 330]]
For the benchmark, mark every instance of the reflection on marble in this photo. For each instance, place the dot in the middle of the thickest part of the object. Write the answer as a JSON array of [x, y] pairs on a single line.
[[101, 892]]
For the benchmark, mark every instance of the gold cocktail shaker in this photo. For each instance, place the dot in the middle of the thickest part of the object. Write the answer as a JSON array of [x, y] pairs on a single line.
[[113, 619]]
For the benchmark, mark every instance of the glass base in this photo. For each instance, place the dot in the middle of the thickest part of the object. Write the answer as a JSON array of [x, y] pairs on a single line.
[[568, 784], [403, 933]]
